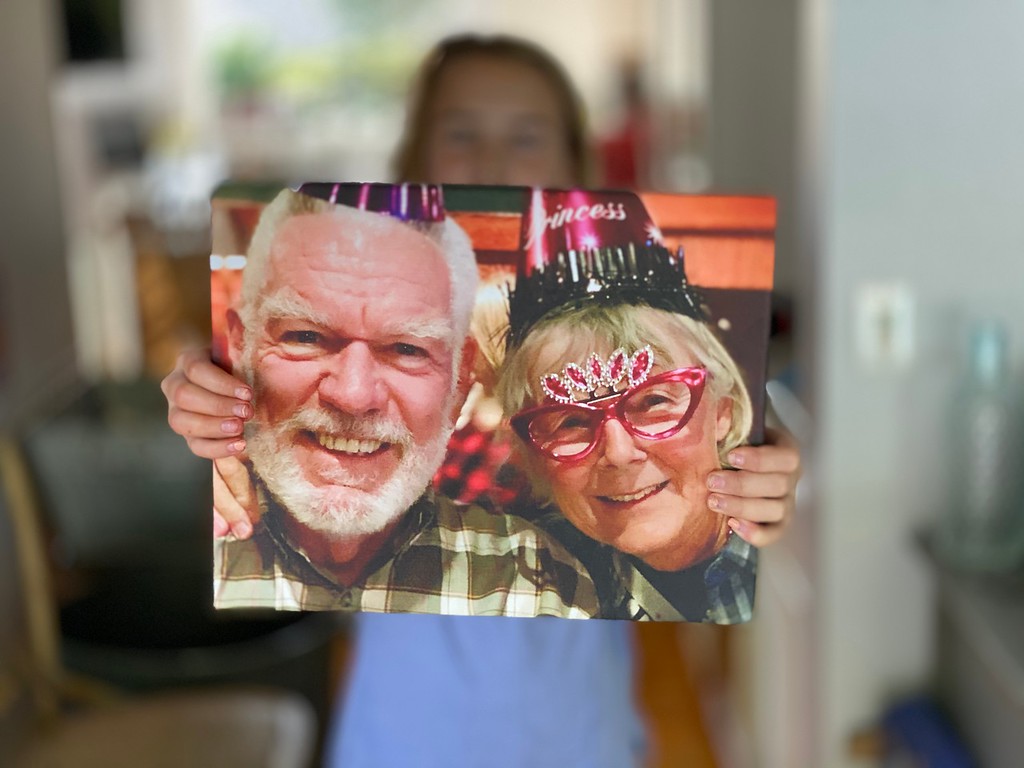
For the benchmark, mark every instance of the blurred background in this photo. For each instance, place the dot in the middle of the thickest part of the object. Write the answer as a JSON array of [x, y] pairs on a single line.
[[890, 134]]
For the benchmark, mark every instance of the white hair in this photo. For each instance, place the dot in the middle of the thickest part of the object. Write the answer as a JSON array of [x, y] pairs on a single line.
[[448, 236]]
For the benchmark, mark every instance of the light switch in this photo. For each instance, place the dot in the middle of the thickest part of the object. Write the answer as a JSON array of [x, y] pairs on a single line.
[[885, 325]]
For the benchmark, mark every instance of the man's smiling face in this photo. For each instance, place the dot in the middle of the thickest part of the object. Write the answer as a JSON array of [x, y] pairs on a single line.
[[351, 358]]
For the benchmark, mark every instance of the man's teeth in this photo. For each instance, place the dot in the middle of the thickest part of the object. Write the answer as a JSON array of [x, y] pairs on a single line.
[[637, 495], [346, 445]]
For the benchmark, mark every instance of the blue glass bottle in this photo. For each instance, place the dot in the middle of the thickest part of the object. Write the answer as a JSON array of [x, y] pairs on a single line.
[[983, 525]]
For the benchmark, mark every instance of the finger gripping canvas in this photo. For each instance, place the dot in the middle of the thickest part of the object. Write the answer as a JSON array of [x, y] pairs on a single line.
[[488, 400]]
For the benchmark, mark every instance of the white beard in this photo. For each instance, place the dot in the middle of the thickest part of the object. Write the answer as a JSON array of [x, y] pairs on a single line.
[[334, 508]]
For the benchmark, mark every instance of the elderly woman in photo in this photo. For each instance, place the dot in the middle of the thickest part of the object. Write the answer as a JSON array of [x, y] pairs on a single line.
[[623, 401]]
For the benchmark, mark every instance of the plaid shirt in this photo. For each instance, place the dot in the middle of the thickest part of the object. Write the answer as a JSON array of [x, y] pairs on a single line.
[[719, 590], [727, 597], [443, 558]]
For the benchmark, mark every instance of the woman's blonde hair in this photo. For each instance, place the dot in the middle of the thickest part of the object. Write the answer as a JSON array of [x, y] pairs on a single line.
[[570, 335], [410, 157]]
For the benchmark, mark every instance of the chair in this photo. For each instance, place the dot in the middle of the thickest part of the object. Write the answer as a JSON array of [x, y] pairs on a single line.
[[52, 717]]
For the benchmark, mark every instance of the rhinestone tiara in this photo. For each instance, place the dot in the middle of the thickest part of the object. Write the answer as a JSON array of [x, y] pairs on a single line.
[[619, 372]]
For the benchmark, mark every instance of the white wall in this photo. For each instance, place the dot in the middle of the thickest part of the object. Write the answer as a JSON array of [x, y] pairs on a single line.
[[34, 316], [753, 91], [922, 172], [756, 73], [893, 135], [34, 313]]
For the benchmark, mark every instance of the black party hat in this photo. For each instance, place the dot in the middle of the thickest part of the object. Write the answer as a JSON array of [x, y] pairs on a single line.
[[622, 260]]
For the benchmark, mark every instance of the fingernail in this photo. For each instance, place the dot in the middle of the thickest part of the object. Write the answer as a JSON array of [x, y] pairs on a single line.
[[242, 530], [231, 426], [220, 528], [735, 525], [714, 502], [242, 410], [243, 393], [736, 458], [237, 447], [716, 482]]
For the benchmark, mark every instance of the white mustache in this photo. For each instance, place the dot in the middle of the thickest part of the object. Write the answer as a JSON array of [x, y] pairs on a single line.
[[318, 421]]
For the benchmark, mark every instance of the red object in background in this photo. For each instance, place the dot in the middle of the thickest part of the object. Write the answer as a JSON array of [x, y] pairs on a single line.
[[625, 154], [470, 472]]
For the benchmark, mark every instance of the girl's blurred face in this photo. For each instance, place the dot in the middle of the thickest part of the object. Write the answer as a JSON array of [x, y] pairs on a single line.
[[496, 121]]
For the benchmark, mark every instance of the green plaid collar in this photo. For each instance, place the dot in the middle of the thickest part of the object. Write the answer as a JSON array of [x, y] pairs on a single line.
[[728, 579], [418, 517], [722, 588], [443, 558]]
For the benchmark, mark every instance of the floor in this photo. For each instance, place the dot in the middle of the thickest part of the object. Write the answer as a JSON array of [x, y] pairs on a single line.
[[669, 701]]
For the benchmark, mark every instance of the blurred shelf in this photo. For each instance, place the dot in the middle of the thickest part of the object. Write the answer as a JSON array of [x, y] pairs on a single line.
[[980, 660], [989, 610]]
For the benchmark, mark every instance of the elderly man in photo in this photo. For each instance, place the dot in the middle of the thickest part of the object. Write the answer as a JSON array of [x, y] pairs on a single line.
[[352, 331]]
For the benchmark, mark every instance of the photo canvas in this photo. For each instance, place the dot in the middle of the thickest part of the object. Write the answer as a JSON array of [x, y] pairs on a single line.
[[474, 400]]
